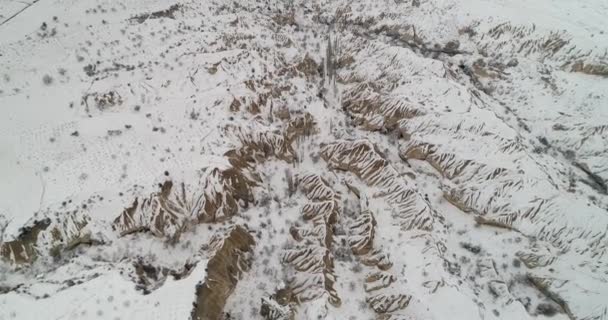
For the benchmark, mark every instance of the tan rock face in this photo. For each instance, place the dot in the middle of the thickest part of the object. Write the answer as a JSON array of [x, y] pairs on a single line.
[[311, 258], [487, 189], [220, 192], [385, 295], [489, 171], [362, 233], [231, 259], [362, 159], [47, 238], [300, 126], [217, 197], [23, 250], [169, 212], [376, 110]]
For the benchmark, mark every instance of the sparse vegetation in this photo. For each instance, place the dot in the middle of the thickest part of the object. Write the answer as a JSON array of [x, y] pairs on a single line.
[[47, 80]]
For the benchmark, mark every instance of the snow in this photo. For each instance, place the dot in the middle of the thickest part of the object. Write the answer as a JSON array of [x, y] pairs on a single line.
[[108, 296], [100, 109]]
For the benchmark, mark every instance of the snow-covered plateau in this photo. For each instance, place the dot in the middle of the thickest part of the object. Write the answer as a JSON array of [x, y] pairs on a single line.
[[304, 159]]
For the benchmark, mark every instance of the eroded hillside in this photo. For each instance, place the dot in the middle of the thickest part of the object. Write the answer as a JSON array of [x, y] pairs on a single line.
[[304, 160]]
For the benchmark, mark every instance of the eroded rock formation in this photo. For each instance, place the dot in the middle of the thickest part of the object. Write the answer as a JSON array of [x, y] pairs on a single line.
[[232, 257]]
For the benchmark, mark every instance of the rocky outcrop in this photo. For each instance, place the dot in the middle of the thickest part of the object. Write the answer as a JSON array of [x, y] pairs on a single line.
[[377, 110], [23, 249], [220, 192], [168, 213], [310, 257], [488, 168], [48, 238], [256, 146], [362, 232], [480, 185], [384, 293], [363, 160], [232, 258]]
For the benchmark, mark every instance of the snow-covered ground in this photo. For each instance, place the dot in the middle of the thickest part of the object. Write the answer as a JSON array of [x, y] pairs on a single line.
[[389, 159]]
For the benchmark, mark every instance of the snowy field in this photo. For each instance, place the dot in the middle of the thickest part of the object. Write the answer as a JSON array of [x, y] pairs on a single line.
[[390, 159]]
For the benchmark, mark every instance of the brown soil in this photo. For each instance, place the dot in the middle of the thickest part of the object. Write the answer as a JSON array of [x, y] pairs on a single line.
[[223, 272]]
